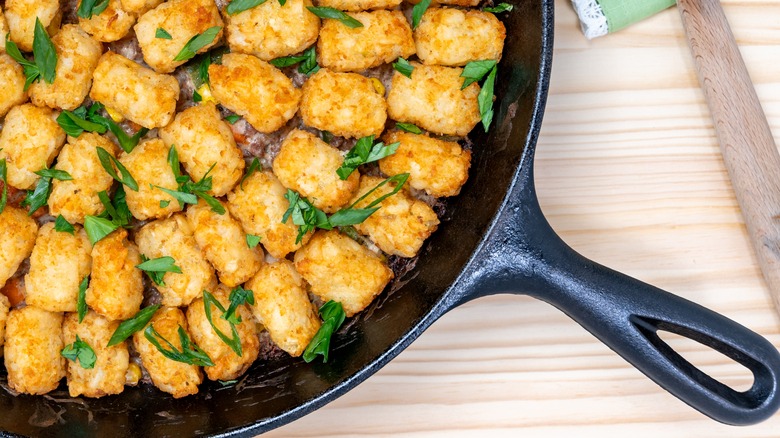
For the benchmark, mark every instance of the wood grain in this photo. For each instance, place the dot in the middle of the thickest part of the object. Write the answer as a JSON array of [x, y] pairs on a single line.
[[746, 141], [629, 172]]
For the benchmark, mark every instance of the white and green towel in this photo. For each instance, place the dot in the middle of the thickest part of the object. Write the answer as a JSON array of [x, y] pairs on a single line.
[[600, 17]]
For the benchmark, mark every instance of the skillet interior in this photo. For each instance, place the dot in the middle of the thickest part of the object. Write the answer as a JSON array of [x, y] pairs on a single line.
[[276, 392]]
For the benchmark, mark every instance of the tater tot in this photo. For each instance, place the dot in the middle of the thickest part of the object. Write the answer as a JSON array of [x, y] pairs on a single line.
[[5, 305], [173, 237], [108, 375], [384, 36], [148, 163], [176, 378], [272, 30], [345, 104], [183, 20], [433, 100], [140, 6], [340, 269], [137, 93], [223, 242], [17, 238], [33, 341], [77, 57], [110, 25], [3, 30], [116, 287], [75, 199], [439, 167], [359, 5], [401, 224], [21, 15], [283, 307], [453, 37], [203, 140], [29, 141], [308, 165], [255, 90], [58, 264], [227, 364], [260, 205], [12, 83]]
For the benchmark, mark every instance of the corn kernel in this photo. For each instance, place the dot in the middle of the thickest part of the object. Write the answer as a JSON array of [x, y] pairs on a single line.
[[205, 94], [133, 374], [380, 89], [115, 116]]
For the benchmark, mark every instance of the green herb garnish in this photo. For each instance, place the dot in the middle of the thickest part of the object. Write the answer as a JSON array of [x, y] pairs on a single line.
[[44, 62], [189, 354], [4, 179], [474, 71], [363, 153], [62, 225], [408, 127], [82, 119], [335, 14], [98, 228], [232, 119], [233, 342], [197, 42], [188, 191], [88, 8], [116, 214], [485, 99], [236, 6], [402, 66], [54, 174], [81, 304], [132, 325], [106, 160], [162, 34], [238, 296], [417, 12], [38, 197], [252, 240], [501, 7], [332, 314], [308, 60], [79, 351], [254, 166], [156, 268]]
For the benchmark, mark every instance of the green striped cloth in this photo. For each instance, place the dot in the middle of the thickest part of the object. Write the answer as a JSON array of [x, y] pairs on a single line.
[[600, 17]]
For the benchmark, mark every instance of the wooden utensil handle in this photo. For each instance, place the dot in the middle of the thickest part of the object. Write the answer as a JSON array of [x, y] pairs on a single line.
[[746, 141]]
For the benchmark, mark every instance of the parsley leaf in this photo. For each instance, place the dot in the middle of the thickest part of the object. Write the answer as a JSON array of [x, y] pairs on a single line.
[[354, 216], [236, 6], [189, 354], [238, 296], [501, 7], [44, 53], [335, 14], [75, 123], [254, 166], [333, 316], [55, 174], [4, 179], [38, 197], [188, 192], [81, 304], [88, 8], [417, 12], [232, 119], [162, 34], [132, 325], [156, 268], [476, 70], [79, 351], [235, 341], [485, 99], [62, 225], [252, 240], [106, 160], [402, 66], [408, 127], [364, 152], [164, 203], [308, 61], [97, 228], [82, 119], [197, 42], [31, 72]]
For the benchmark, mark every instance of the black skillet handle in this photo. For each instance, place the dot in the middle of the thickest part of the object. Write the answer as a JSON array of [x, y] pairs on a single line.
[[524, 255]]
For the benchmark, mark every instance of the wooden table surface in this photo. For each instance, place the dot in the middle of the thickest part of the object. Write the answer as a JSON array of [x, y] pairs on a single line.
[[629, 173]]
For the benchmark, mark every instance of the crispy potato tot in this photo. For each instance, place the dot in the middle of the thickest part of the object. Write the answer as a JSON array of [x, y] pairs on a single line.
[[108, 375], [176, 378], [183, 20], [148, 163], [340, 269], [255, 90], [308, 165], [3, 30], [359, 5], [77, 57], [116, 287], [137, 93], [345, 104], [432, 99], [12, 83], [401, 224], [454, 37], [260, 205], [75, 199], [203, 140], [113, 24], [227, 364], [33, 341], [29, 141], [384, 37], [58, 264], [271, 30], [439, 167], [21, 15], [173, 237], [17, 238], [283, 307], [223, 242]]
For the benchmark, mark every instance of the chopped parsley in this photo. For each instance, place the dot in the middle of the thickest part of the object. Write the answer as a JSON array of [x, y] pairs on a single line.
[[156, 268], [232, 119], [501, 7], [308, 60], [408, 127], [417, 12], [237, 6], [132, 325], [335, 14], [234, 342], [238, 296], [62, 225], [81, 304], [75, 122], [363, 153], [162, 34], [88, 8], [188, 191], [79, 351], [189, 354], [44, 62], [106, 160], [332, 314], [197, 43], [402, 66], [252, 240], [474, 71], [4, 179]]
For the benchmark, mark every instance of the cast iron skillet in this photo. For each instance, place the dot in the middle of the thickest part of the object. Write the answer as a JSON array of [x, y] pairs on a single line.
[[494, 240]]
